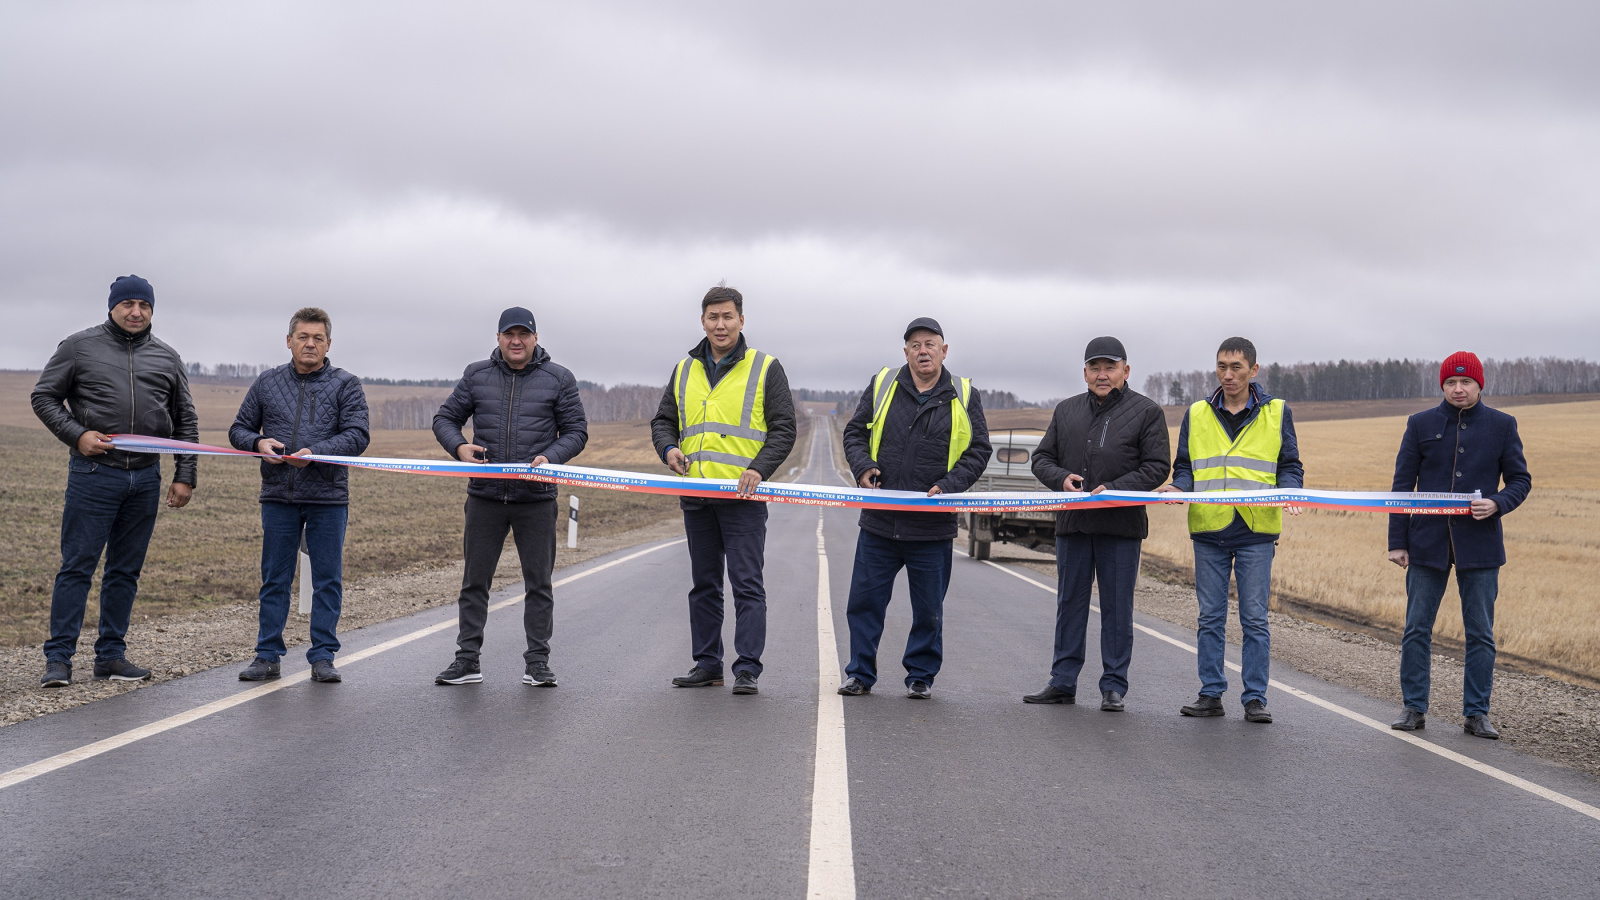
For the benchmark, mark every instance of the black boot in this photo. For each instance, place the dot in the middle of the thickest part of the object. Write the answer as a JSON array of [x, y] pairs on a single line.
[[1204, 707]]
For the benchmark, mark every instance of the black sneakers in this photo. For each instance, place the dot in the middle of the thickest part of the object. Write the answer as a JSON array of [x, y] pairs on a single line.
[[854, 687], [260, 669], [1256, 711], [539, 675], [745, 683], [322, 670], [57, 673], [460, 672], [1205, 706], [919, 690], [1051, 694], [697, 677], [119, 670]]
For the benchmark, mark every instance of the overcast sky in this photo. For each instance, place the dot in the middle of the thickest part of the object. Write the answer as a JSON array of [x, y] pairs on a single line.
[[1350, 180]]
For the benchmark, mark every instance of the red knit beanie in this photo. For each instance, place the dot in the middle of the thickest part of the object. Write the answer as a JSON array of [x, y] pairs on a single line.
[[1462, 363]]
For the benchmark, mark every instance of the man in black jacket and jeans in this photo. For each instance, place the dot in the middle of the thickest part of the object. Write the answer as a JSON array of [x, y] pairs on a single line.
[[317, 408], [524, 409], [116, 377], [917, 428], [1108, 438]]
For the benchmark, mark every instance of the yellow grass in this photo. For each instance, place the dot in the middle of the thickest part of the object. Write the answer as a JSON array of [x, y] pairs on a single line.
[[1549, 605]]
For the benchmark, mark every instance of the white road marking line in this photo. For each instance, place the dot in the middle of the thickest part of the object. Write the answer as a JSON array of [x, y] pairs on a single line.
[[105, 745], [832, 871], [1537, 790]]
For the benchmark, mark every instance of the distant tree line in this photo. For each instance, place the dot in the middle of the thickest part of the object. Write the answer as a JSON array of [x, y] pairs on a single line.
[[1385, 379]]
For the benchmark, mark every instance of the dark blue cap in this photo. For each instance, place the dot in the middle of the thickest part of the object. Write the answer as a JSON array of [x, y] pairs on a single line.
[[131, 287], [514, 317]]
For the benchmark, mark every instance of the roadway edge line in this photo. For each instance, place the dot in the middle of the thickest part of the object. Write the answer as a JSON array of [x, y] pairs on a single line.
[[1484, 768], [831, 871], [133, 735]]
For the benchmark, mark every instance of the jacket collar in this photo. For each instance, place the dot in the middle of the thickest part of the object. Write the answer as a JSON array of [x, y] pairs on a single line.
[[322, 371], [1112, 399], [540, 357], [1468, 414], [1257, 397], [702, 352], [945, 382], [116, 331]]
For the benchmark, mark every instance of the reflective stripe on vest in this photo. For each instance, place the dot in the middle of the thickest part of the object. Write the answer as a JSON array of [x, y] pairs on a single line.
[[722, 428], [1248, 462], [883, 388]]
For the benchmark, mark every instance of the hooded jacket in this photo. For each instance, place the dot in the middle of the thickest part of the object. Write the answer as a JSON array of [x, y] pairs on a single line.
[[107, 380], [517, 414], [324, 411]]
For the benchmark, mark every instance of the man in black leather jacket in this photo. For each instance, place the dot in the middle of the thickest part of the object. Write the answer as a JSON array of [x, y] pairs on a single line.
[[114, 378], [524, 408], [1107, 438]]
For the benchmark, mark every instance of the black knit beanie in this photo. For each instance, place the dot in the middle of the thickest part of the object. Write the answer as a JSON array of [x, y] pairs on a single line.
[[131, 287]]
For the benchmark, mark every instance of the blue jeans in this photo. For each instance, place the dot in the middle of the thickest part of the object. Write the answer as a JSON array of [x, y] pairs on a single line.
[[731, 535], [108, 510], [878, 561], [1424, 589], [281, 526], [1082, 560], [1251, 566]]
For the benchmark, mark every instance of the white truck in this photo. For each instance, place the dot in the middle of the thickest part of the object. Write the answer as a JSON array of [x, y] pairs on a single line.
[[1010, 469]]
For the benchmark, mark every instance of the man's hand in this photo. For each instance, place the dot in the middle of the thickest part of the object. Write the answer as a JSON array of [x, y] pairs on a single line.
[[294, 459], [1293, 510], [1170, 489], [934, 491], [1483, 509], [677, 462], [470, 453], [1098, 490], [1072, 482], [178, 495], [869, 479], [540, 460], [748, 482], [1401, 558], [93, 443], [272, 448]]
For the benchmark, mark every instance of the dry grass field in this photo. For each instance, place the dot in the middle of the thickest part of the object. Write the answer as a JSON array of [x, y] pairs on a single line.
[[1549, 606]]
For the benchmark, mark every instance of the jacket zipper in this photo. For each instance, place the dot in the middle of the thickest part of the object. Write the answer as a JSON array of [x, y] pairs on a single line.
[[294, 434], [133, 405], [1455, 463], [511, 400]]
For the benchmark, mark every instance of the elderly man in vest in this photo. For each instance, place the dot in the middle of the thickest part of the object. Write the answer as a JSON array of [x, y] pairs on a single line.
[[726, 413], [1459, 446], [1240, 439], [916, 428]]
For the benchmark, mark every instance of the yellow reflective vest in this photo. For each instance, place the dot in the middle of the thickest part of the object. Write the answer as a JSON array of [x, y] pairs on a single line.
[[960, 423], [1248, 462], [722, 428]]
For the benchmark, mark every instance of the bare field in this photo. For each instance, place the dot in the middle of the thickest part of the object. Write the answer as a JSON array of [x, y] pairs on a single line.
[[1549, 605]]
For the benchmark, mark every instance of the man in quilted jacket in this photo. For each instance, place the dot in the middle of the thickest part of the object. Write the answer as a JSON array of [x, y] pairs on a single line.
[[524, 408], [316, 408]]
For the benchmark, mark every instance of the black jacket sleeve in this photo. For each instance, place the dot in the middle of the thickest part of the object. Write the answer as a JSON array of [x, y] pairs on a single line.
[[185, 424], [1407, 466], [1514, 471], [664, 427], [969, 467], [1154, 462], [572, 424], [1291, 473], [51, 391], [453, 415], [858, 436], [245, 433], [781, 426], [1046, 463], [1182, 468]]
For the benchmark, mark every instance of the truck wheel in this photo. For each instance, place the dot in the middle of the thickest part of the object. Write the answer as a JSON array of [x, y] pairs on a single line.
[[977, 549]]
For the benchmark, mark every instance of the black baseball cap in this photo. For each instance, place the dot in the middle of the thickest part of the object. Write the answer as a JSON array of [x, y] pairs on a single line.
[[1105, 348], [514, 317], [923, 323]]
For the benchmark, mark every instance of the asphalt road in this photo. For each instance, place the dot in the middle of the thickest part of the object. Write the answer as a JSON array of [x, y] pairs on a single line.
[[616, 785]]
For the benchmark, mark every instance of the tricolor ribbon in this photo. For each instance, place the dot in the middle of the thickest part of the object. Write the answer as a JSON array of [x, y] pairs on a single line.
[[820, 495]]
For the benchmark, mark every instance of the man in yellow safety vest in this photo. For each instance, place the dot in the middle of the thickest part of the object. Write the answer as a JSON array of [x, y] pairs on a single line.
[[726, 413], [917, 428], [1241, 438]]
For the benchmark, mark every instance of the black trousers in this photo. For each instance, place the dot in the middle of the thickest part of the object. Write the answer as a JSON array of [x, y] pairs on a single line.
[[1081, 561], [734, 534], [533, 528]]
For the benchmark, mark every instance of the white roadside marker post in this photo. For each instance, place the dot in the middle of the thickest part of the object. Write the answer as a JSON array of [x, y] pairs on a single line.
[[305, 578], [572, 523]]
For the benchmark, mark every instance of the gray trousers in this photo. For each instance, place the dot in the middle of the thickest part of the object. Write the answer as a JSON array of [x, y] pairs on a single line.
[[533, 528]]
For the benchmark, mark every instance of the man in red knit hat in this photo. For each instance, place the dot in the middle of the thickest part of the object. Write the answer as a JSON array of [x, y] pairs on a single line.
[[1460, 446]]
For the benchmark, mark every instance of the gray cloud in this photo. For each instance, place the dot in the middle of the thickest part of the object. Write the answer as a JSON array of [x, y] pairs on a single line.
[[1359, 180]]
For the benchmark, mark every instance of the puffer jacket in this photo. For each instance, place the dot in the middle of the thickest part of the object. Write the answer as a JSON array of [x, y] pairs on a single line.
[[914, 455], [516, 415], [324, 412], [1120, 445], [114, 382]]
